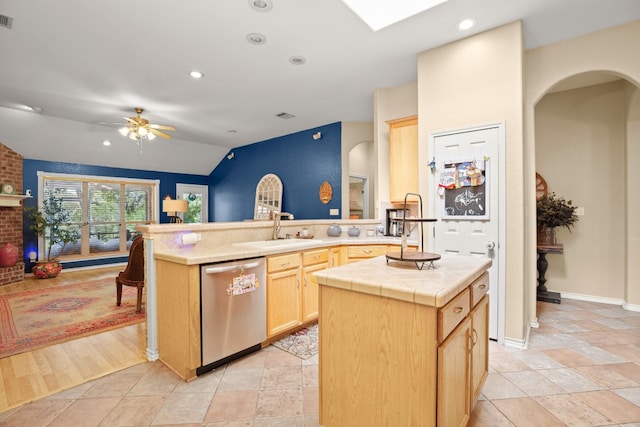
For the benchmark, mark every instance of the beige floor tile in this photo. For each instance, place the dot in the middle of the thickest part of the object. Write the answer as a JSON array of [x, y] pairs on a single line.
[[158, 380], [85, 412], [279, 403], [570, 380], [309, 375], [115, 385], [276, 357], [280, 422], [282, 377], [631, 394], [568, 357], [38, 413], [134, 411], [572, 411], [183, 408], [241, 379], [526, 412], [616, 408], [310, 400], [598, 355], [486, 414], [629, 352], [536, 359], [207, 383], [253, 360], [498, 387], [230, 406], [532, 383], [605, 377], [506, 362]]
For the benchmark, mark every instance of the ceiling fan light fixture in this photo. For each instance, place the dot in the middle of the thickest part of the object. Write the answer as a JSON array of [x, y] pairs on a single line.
[[124, 131]]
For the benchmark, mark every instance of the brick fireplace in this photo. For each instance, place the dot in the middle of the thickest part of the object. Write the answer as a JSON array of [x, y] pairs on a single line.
[[11, 218]]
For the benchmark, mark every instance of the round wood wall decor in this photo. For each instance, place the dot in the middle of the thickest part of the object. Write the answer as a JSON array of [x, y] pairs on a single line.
[[326, 192]]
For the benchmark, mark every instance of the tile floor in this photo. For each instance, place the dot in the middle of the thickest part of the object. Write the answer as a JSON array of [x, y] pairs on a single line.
[[582, 368]]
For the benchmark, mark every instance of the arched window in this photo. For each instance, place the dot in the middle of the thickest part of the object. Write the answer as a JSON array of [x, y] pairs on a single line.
[[268, 197]]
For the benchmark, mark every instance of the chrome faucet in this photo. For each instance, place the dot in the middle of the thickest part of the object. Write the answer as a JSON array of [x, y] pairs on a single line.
[[276, 223]]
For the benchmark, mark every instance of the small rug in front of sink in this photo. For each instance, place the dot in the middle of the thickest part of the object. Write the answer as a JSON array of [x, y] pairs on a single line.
[[303, 343]]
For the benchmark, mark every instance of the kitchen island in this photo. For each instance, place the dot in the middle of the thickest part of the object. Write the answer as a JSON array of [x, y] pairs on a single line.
[[402, 346]]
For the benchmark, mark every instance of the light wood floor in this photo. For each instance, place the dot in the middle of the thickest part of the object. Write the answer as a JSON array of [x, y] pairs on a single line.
[[32, 375]]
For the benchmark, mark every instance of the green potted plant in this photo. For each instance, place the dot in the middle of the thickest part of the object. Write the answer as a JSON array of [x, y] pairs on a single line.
[[53, 223], [553, 211]]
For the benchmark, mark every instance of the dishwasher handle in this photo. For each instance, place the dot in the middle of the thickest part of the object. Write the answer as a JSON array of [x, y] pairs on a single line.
[[213, 270]]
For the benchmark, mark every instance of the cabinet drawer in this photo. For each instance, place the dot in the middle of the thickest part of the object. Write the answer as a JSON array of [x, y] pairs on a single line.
[[283, 262], [368, 251], [452, 314], [479, 288], [315, 257]]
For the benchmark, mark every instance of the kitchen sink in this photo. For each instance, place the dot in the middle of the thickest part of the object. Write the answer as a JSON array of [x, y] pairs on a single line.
[[280, 243]]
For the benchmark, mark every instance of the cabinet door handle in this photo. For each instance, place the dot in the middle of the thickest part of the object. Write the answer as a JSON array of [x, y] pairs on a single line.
[[482, 286], [367, 251], [474, 337], [457, 310], [284, 264]]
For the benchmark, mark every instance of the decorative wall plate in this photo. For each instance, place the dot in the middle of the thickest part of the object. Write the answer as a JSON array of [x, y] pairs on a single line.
[[541, 186], [8, 188], [326, 192]]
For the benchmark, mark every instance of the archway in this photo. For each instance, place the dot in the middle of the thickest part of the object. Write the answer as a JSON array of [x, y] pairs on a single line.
[[587, 137]]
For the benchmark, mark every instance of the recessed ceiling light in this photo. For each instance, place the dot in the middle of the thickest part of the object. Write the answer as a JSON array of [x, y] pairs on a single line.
[[232, 131], [196, 74], [466, 24], [297, 60], [255, 38], [106, 143], [260, 5], [284, 115]]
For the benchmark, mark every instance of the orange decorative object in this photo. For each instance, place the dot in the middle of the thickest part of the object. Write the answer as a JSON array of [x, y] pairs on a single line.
[[47, 269], [326, 192]]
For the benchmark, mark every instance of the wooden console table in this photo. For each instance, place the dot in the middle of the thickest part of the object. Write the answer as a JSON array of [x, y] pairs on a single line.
[[543, 264]]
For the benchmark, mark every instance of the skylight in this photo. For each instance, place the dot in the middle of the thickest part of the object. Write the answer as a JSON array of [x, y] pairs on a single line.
[[378, 14]]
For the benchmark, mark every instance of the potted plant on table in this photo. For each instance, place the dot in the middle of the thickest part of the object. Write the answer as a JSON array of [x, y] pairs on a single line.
[[53, 223], [553, 211]]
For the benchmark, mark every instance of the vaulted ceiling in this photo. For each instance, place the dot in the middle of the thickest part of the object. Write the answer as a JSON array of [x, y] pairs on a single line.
[[85, 65]]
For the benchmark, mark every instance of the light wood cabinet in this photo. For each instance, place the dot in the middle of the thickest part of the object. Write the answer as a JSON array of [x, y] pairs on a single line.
[[463, 355], [403, 158], [292, 297], [373, 349], [453, 378], [480, 350], [359, 252], [283, 293], [312, 261], [178, 308]]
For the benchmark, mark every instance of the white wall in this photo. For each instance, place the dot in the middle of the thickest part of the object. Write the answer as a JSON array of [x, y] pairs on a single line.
[[353, 133]]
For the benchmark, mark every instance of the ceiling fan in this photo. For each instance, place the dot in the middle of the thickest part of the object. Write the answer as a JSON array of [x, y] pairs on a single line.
[[139, 128]]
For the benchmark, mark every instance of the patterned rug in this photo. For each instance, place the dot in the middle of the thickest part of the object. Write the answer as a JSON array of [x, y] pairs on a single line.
[[303, 343], [37, 318]]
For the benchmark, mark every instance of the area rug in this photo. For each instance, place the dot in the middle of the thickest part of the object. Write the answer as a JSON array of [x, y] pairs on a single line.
[[303, 343], [38, 318]]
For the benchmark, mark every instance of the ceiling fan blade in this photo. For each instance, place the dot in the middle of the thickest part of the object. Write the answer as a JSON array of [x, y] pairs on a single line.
[[163, 127], [160, 134]]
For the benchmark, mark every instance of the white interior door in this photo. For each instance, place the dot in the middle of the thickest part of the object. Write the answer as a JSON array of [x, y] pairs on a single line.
[[468, 216], [198, 198]]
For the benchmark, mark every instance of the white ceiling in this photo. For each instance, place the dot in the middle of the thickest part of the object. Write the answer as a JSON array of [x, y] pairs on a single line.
[[86, 63]]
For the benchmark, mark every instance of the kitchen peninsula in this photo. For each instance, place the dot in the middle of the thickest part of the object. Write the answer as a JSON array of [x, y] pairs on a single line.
[[175, 254], [402, 346]]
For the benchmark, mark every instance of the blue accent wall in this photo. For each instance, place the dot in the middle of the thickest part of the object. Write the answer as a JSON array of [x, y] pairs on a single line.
[[302, 164], [31, 168]]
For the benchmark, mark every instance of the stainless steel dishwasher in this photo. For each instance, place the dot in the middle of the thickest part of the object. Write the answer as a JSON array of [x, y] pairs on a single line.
[[233, 299]]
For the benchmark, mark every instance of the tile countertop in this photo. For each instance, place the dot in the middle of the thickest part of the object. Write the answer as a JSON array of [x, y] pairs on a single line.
[[208, 251], [432, 286]]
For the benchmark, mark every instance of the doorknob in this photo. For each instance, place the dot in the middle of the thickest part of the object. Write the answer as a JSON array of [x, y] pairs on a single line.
[[491, 245]]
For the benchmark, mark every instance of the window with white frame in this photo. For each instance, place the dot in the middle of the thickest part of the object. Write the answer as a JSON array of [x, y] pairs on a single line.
[[105, 210]]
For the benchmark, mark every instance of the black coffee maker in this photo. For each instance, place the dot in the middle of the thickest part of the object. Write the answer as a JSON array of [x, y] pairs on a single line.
[[395, 227]]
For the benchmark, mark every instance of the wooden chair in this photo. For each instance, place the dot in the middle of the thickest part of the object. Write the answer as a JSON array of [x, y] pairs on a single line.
[[133, 274]]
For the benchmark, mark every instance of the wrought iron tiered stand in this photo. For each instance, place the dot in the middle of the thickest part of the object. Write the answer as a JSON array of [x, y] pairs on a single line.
[[420, 258]]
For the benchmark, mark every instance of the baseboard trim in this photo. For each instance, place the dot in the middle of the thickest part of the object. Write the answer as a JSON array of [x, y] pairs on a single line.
[[591, 298]]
